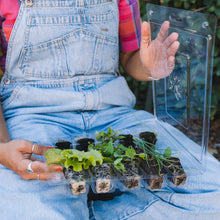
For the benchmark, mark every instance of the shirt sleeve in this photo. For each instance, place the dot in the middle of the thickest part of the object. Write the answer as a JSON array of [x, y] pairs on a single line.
[[3, 48], [9, 11], [129, 25]]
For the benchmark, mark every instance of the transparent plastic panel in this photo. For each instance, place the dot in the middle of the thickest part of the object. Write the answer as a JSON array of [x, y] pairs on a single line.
[[183, 98]]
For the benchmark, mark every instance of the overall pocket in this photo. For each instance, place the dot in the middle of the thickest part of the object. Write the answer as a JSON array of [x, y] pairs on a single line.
[[80, 52], [78, 41], [90, 53], [46, 60]]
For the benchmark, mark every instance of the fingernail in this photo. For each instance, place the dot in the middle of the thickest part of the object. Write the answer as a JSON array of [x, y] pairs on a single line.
[[59, 169], [49, 147]]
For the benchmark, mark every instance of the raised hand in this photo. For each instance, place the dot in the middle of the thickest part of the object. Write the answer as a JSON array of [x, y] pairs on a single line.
[[158, 56]]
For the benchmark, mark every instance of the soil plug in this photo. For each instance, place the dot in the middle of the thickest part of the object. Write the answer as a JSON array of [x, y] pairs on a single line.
[[83, 143], [127, 141], [102, 174], [130, 178], [77, 180], [62, 145], [173, 168], [149, 137], [152, 171]]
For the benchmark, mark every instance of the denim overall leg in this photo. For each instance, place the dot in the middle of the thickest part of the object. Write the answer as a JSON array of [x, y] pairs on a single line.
[[197, 199]]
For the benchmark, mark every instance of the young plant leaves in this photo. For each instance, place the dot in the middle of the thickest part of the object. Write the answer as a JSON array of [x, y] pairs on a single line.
[[131, 153], [54, 155], [73, 158], [168, 152], [118, 165]]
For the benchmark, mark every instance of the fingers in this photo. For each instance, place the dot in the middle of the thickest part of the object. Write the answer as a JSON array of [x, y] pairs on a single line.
[[50, 176], [32, 148], [40, 149], [170, 40], [145, 35], [43, 176], [34, 158], [39, 166], [163, 33], [22, 162], [34, 169], [171, 62], [171, 51]]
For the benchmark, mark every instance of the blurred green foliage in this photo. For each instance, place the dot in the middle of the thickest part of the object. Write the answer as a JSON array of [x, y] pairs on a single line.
[[205, 6]]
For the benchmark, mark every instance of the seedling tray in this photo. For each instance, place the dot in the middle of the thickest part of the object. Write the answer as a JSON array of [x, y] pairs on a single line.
[[132, 165]]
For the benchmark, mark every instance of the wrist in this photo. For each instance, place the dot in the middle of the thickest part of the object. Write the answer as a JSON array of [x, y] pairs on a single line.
[[5, 139], [1, 151]]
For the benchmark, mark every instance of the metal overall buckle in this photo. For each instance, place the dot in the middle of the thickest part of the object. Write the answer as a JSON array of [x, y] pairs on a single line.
[[28, 3]]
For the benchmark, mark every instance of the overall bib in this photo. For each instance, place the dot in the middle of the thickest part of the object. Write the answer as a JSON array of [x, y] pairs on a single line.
[[62, 82], [61, 68]]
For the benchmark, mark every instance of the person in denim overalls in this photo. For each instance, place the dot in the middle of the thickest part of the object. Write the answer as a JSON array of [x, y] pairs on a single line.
[[65, 84]]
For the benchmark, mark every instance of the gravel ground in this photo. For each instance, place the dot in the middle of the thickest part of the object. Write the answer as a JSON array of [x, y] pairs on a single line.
[[214, 135]]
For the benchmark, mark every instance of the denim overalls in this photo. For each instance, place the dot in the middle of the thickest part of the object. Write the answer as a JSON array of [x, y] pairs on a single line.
[[61, 83], [62, 66]]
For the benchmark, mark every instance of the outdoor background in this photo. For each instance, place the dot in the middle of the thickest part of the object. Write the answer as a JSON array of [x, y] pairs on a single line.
[[143, 90], [205, 6]]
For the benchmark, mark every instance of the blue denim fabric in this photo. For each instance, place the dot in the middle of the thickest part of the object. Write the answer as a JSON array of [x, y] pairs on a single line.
[[197, 199], [64, 33], [60, 83]]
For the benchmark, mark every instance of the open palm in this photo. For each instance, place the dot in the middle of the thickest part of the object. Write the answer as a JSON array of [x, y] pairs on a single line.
[[158, 56]]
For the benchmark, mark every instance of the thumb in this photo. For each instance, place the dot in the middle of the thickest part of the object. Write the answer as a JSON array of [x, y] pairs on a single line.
[[145, 34]]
